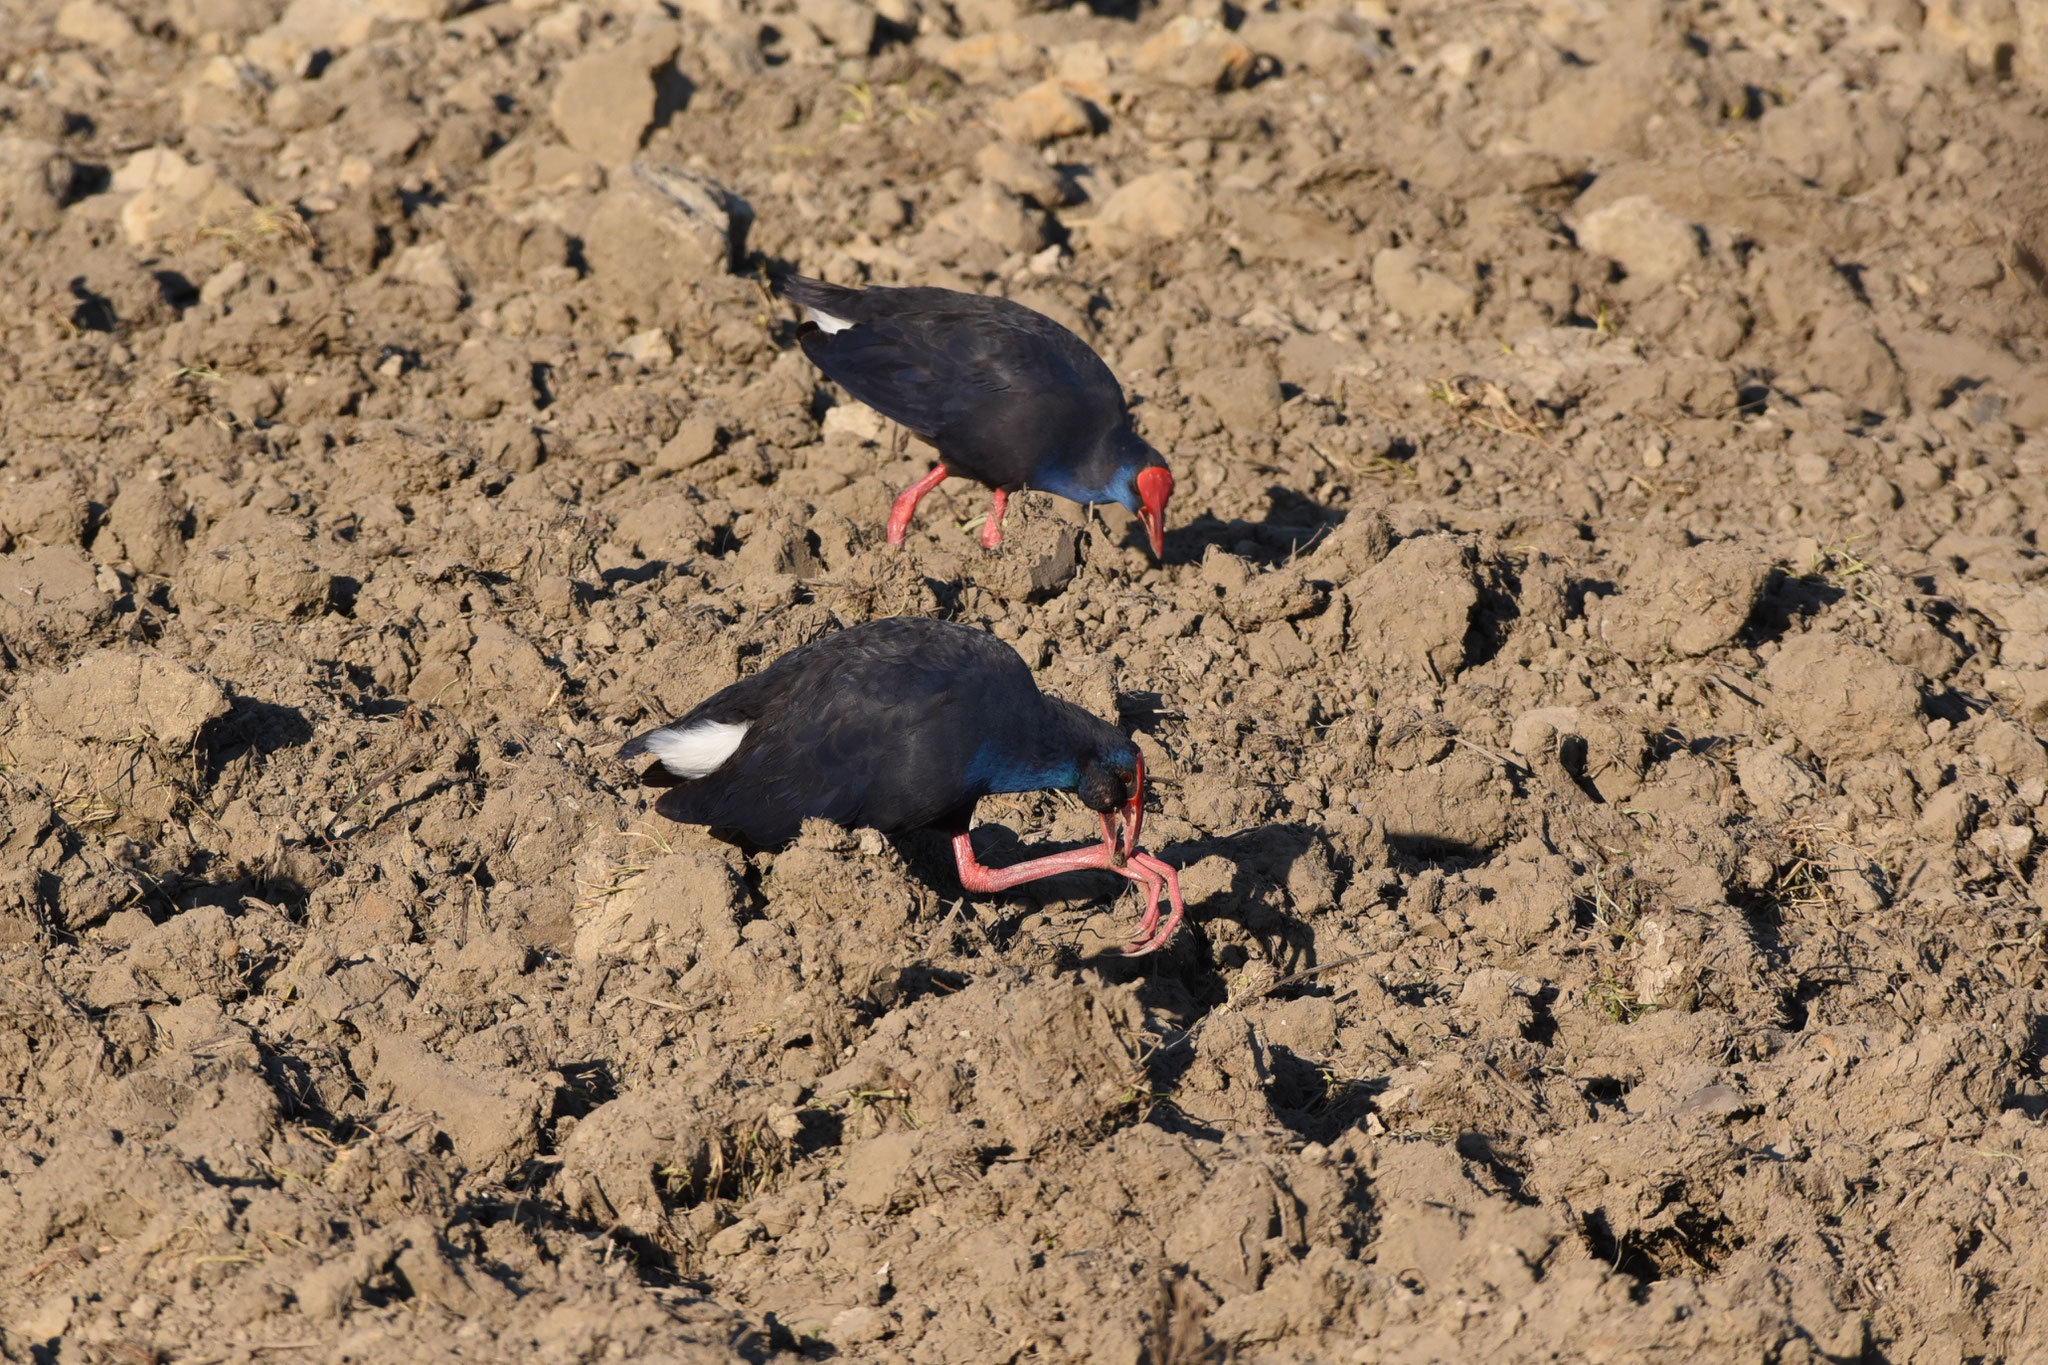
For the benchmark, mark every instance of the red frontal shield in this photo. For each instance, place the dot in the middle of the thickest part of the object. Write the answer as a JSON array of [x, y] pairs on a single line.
[[1155, 487]]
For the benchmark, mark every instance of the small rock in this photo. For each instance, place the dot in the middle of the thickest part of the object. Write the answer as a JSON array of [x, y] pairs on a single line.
[[663, 223], [1651, 242], [1042, 113], [846, 24], [2025, 690], [1685, 601], [1245, 398], [1164, 204], [2010, 842], [857, 1326], [265, 575], [46, 511], [1460, 61], [885, 212], [1023, 174], [491, 1117], [1849, 358], [1196, 52], [979, 16], [112, 693], [1336, 43], [1718, 1101], [1534, 734], [1222, 569], [782, 547], [877, 1170], [736, 1239], [1844, 700], [989, 213], [2009, 750], [1413, 609], [1972, 268], [147, 523], [429, 264], [1414, 290], [96, 23], [35, 183], [1773, 783], [1083, 68], [650, 348], [1990, 36], [988, 58], [50, 593], [1947, 815], [695, 441], [172, 195], [604, 102], [1844, 142], [308, 27], [1813, 469], [1363, 539], [857, 420], [905, 14]]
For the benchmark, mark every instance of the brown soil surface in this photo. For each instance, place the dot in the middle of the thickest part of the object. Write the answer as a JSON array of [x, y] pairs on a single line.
[[1596, 692]]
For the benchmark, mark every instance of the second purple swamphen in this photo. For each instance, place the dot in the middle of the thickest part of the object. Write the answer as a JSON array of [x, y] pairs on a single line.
[[1007, 397], [903, 724]]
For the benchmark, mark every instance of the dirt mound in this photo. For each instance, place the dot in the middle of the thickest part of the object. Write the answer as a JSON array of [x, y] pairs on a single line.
[[1595, 694]]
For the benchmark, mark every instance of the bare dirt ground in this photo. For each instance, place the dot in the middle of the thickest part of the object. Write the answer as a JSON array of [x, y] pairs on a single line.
[[1596, 691]]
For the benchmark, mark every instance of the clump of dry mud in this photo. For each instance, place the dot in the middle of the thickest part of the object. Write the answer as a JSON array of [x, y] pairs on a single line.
[[1596, 692]]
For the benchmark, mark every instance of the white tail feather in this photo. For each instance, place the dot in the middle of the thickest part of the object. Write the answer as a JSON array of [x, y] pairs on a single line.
[[699, 750], [826, 322]]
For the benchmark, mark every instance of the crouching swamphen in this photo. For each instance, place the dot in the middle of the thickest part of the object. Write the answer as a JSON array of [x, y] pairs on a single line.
[[904, 724], [1007, 396]]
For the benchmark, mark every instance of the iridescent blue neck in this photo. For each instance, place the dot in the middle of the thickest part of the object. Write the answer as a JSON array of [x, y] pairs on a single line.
[[1122, 486], [994, 770]]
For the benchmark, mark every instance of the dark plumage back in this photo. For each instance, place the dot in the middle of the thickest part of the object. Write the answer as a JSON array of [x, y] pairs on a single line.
[[998, 388], [886, 725]]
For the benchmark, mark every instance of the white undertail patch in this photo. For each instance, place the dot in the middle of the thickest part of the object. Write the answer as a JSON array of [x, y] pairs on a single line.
[[826, 322], [699, 750]]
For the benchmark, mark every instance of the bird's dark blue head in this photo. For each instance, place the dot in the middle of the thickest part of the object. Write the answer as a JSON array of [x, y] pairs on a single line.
[[1121, 468], [1110, 774], [1113, 785]]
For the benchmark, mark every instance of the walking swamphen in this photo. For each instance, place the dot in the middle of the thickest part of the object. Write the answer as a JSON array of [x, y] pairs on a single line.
[[1007, 396], [905, 724]]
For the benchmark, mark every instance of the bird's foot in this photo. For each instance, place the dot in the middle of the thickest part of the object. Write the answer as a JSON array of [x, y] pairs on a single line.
[[1162, 877]]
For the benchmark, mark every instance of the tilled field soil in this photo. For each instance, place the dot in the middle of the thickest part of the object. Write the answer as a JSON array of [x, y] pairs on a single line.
[[1595, 691]]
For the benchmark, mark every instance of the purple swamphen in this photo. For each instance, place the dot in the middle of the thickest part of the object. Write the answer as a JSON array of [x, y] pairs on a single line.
[[905, 724], [1007, 397]]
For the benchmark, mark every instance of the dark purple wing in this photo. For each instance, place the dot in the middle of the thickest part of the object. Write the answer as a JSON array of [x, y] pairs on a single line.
[[875, 726], [997, 387]]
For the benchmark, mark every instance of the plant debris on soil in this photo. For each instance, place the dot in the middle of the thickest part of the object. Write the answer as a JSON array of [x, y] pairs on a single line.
[[1595, 693]]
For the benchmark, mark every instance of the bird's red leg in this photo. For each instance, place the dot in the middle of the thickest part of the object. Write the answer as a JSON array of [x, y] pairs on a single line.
[[906, 503], [992, 529]]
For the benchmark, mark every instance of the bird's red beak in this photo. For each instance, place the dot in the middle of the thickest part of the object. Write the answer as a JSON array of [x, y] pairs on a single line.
[[1155, 486], [1120, 831], [1134, 809]]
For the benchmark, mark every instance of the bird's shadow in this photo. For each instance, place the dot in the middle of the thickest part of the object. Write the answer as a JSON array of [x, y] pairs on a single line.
[[1293, 525]]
